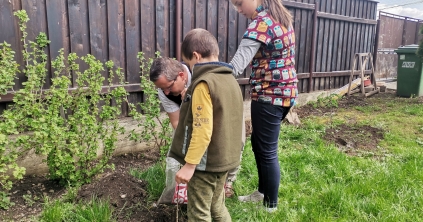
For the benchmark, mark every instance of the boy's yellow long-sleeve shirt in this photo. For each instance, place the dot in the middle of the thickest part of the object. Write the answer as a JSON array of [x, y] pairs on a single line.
[[202, 126], [218, 104]]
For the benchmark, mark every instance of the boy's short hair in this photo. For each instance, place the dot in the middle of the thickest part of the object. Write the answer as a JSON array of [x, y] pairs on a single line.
[[200, 41], [165, 66]]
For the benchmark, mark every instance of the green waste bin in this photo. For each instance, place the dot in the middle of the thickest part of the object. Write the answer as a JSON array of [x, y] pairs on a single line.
[[409, 76]]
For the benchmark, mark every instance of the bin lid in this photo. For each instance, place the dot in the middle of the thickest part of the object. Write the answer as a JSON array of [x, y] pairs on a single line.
[[407, 49]]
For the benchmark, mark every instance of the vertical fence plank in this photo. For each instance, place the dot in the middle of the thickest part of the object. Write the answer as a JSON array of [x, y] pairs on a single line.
[[38, 23], [10, 33], [351, 36], [57, 20], [136, 98], [171, 35], [98, 32], [223, 30], [79, 32], [309, 40], [232, 33], [116, 31], [354, 44], [344, 8], [186, 16], [162, 25], [339, 46], [357, 31], [299, 48], [212, 6], [329, 61], [201, 14], [332, 42], [326, 40], [133, 46], [337, 51], [374, 10], [362, 39], [242, 26], [366, 10], [319, 44], [326, 35], [36, 11], [148, 29], [358, 40], [300, 28], [308, 34]]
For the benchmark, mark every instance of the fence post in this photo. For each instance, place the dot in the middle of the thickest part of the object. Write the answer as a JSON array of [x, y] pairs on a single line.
[[313, 46], [376, 45], [178, 30], [418, 24], [404, 30]]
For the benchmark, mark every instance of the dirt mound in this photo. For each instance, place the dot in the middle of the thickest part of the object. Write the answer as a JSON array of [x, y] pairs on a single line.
[[345, 102], [355, 140], [27, 196], [127, 194]]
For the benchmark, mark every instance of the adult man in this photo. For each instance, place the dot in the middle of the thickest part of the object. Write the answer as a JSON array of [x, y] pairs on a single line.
[[172, 79]]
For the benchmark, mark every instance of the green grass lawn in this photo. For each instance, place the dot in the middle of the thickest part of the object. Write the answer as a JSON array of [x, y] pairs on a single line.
[[321, 183]]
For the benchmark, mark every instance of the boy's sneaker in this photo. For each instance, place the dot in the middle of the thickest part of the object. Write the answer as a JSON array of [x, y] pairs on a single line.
[[256, 196], [229, 192]]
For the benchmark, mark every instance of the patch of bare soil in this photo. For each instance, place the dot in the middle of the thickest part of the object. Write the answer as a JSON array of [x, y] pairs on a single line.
[[355, 140], [343, 103], [126, 194], [27, 194]]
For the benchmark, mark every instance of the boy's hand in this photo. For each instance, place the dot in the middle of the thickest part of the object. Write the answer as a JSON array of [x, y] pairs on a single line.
[[185, 173]]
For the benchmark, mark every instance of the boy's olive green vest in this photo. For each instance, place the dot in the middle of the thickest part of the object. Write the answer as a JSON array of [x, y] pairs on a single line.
[[224, 150]]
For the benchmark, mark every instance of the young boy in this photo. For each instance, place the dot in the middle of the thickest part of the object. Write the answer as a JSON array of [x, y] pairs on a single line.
[[207, 140], [171, 79]]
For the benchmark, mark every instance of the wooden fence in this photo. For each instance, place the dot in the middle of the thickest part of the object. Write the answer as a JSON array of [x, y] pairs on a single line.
[[328, 33], [394, 31]]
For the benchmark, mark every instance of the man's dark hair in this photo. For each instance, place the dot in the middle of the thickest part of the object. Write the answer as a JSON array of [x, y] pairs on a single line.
[[165, 66]]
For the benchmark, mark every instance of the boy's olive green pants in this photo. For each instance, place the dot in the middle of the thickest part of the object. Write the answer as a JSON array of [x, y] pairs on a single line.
[[206, 197]]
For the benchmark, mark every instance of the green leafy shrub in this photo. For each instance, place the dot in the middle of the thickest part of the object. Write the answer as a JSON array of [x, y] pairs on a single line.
[[326, 101], [70, 128], [8, 126], [8, 68], [154, 129], [88, 120]]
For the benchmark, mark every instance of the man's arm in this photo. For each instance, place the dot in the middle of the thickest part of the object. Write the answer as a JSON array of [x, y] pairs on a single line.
[[170, 107], [174, 118]]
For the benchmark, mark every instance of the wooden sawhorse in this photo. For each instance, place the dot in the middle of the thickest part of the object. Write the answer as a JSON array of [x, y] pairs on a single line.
[[363, 59]]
